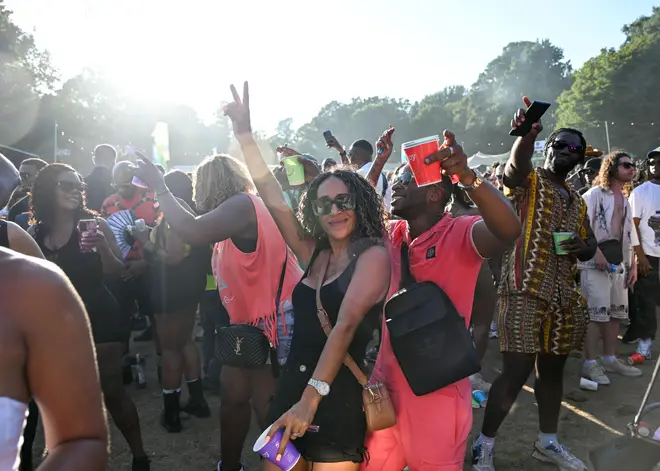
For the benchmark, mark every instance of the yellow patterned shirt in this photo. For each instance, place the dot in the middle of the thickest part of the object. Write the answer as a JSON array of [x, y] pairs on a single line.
[[531, 267]]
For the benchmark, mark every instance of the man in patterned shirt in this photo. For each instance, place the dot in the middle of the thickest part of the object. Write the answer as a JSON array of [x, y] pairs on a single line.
[[542, 313]]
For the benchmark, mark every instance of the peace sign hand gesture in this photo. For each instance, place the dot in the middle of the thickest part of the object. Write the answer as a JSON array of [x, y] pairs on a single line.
[[239, 112]]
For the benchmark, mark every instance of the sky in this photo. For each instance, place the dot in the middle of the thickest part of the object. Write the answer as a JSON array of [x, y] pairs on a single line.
[[299, 55]]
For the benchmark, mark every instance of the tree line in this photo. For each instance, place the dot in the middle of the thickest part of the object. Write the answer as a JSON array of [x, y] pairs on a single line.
[[618, 86]]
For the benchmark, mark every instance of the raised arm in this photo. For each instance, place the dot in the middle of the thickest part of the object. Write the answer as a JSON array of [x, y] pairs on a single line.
[[500, 226], [267, 185], [61, 370], [385, 147], [519, 165], [234, 217]]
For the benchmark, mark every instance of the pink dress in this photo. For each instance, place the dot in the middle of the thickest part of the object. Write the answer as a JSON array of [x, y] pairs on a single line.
[[432, 430]]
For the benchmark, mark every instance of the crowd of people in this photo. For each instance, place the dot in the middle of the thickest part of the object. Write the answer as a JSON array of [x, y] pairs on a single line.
[[291, 282]]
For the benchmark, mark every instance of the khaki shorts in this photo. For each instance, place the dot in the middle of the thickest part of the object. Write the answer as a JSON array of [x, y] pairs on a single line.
[[606, 295]]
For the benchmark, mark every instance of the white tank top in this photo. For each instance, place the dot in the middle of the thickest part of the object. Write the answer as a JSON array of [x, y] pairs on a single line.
[[12, 421]]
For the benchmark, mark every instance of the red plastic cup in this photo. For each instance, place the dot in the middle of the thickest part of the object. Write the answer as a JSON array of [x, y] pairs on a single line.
[[418, 150], [636, 359]]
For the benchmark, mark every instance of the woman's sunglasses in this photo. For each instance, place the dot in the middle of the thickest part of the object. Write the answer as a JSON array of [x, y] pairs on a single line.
[[560, 145], [323, 205], [71, 187], [627, 165]]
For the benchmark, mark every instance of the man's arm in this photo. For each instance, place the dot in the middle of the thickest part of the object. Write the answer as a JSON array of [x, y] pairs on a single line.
[[519, 165]]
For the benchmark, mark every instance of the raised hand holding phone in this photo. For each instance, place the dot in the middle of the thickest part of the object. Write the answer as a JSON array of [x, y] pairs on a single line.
[[527, 120]]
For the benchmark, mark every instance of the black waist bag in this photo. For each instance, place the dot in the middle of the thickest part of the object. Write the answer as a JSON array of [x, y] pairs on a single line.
[[428, 335], [245, 345]]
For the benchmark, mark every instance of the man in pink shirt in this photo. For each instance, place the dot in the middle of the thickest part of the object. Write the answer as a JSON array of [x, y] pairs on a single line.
[[432, 430]]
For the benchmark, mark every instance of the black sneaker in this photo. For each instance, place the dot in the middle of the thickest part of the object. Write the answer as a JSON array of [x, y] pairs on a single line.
[[169, 418]]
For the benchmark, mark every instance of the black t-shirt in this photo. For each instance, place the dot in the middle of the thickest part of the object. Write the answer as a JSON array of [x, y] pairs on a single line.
[[99, 187], [4, 236]]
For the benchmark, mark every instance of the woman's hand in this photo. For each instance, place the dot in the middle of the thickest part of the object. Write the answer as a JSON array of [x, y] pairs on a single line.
[[239, 112], [149, 173], [93, 240], [295, 423], [141, 236]]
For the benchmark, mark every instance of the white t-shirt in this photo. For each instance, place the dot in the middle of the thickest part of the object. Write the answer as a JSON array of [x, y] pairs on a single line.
[[645, 201], [387, 198]]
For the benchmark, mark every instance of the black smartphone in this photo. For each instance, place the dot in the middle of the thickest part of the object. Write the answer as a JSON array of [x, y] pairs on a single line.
[[327, 135], [532, 115]]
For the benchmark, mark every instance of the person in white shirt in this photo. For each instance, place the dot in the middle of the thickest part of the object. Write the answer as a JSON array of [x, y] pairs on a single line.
[[606, 277], [645, 202]]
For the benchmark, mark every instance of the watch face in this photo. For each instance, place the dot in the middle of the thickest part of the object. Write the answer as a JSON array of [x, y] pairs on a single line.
[[323, 388]]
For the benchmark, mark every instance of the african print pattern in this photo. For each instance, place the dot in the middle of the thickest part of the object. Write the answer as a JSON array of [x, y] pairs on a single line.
[[532, 267], [530, 325]]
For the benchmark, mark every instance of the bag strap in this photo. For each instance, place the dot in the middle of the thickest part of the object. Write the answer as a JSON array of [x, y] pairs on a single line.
[[280, 286], [407, 278], [327, 328]]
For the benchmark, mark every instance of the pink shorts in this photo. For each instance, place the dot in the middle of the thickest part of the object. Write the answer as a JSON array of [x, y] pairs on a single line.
[[431, 431]]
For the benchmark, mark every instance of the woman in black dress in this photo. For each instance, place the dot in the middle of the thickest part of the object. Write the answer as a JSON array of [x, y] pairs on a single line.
[[57, 201], [177, 274], [341, 219]]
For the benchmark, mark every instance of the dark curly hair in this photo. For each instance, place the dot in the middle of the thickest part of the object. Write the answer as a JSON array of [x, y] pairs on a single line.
[[42, 198], [369, 209], [608, 171]]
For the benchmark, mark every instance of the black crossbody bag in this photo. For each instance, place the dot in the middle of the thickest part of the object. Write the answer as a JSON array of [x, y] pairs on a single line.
[[245, 345], [428, 335]]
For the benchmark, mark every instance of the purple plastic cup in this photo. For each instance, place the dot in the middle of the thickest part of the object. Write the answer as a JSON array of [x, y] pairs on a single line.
[[269, 450]]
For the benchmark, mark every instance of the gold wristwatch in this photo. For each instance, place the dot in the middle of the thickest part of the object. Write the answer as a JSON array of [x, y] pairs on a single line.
[[478, 180]]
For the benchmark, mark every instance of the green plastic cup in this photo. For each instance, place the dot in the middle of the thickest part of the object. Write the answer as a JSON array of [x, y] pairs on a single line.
[[295, 172], [559, 237]]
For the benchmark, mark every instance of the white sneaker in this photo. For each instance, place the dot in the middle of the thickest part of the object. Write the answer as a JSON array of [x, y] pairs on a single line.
[[492, 332], [478, 383], [595, 373], [644, 347], [559, 455], [622, 369], [482, 457]]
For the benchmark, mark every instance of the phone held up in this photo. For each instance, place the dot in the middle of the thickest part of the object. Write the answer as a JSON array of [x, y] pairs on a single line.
[[87, 225], [532, 115]]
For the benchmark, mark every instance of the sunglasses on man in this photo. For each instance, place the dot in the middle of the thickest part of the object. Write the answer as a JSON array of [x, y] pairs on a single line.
[[573, 148]]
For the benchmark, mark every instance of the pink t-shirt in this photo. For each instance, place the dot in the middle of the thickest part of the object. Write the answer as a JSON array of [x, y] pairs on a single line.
[[445, 255]]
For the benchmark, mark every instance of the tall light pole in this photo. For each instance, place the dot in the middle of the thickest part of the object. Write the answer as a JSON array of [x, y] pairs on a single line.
[[55, 144], [607, 135]]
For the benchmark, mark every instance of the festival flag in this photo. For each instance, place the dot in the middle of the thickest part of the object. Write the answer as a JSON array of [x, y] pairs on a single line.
[[161, 149]]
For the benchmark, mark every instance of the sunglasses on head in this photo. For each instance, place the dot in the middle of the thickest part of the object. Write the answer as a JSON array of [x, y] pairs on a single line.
[[627, 165], [560, 145], [323, 205], [71, 187], [404, 178]]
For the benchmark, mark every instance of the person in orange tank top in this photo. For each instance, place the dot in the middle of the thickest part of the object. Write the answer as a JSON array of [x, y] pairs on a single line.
[[248, 261]]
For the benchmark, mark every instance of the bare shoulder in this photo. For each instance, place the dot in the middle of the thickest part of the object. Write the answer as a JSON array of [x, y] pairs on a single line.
[[377, 257], [32, 285]]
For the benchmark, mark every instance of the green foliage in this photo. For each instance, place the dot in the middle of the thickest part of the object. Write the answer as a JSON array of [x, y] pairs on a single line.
[[620, 87]]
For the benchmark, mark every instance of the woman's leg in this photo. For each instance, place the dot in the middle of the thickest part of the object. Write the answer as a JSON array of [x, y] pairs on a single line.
[[168, 331], [192, 368], [119, 403], [262, 386], [235, 416]]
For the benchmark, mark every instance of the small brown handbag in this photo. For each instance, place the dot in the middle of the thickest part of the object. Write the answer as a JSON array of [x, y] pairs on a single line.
[[376, 401]]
